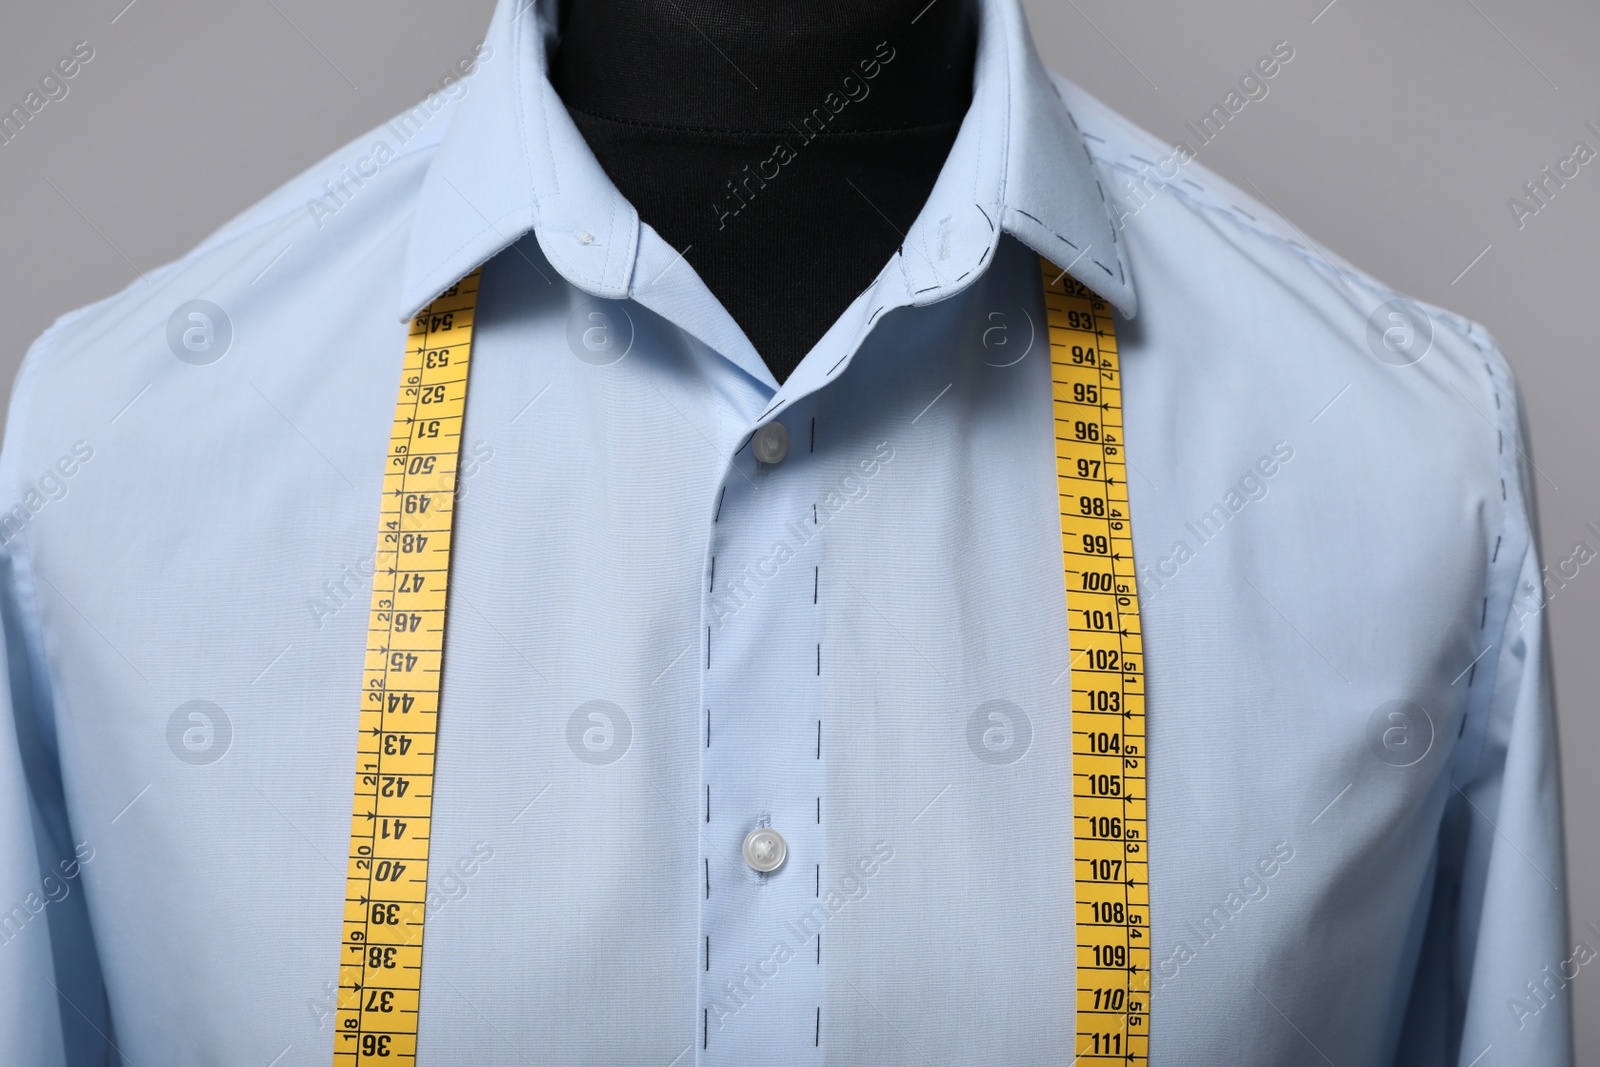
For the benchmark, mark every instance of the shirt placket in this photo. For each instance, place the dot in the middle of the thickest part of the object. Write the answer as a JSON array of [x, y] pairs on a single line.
[[762, 756]]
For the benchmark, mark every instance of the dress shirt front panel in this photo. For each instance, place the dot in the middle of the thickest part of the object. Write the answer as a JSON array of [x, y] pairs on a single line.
[[1353, 804]]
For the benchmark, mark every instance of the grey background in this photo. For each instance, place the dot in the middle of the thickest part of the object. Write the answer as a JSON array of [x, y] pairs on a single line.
[[1395, 137]]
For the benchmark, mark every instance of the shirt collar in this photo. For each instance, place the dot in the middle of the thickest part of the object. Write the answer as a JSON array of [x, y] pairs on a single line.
[[513, 162]]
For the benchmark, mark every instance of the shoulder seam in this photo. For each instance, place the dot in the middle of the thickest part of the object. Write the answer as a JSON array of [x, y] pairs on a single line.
[[1313, 254], [226, 234], [229, 234]]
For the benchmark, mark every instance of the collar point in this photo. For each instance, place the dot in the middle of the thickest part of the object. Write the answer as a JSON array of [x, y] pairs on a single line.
[[1098, 263]]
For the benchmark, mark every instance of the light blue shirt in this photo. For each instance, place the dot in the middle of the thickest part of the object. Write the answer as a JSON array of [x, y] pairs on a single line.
[[657, 644]]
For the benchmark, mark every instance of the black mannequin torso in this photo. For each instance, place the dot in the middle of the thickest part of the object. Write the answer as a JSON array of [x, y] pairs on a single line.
[[788, 198]]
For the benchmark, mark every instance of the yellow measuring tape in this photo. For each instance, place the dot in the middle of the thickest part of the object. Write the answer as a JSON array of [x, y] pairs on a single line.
[[380, 966], [1107, 669], [386, 887]]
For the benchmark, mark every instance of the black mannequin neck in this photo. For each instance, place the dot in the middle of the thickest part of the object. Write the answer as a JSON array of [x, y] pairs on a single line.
[[786, 145]]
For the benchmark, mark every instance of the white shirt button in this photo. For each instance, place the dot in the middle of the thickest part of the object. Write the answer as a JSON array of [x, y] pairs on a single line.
[[764, 849], [772, 443]]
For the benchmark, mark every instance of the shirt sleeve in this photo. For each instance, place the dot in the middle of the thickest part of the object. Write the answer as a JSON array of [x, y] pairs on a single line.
[[52, 999], [1497, 961], [1516, 960]]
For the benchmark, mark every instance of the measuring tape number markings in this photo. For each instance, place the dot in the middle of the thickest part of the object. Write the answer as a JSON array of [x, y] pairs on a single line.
[[1110, 832], [386, 886]]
